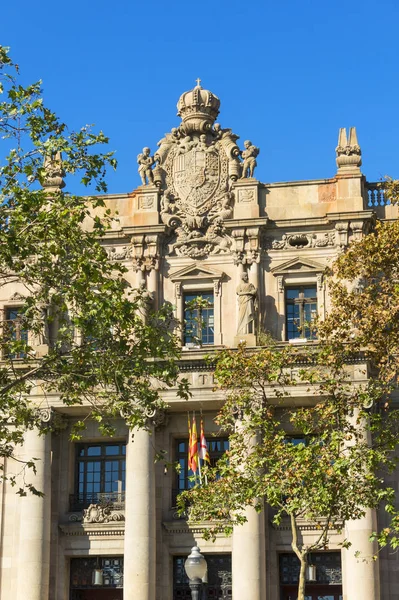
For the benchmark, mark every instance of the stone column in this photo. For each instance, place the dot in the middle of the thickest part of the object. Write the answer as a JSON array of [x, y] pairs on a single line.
[[153, 286], [360, 573], [35, 521], [249, 557], [139, 551], [248, 564]]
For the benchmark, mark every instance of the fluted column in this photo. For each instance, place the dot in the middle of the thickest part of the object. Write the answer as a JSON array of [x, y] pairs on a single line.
[[139, 551], [360, 571], [35, 522]]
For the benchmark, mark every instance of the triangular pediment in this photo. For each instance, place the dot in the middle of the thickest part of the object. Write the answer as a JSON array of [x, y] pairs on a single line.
[[298, 265], [197, 271]]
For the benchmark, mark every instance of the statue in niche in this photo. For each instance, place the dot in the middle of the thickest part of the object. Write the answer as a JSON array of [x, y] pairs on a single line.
[[249, 155], [145, 162], [246, 293], [145, 299]]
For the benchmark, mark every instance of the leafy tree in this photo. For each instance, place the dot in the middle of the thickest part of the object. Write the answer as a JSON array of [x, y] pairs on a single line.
[[326, 477], [78, 331]]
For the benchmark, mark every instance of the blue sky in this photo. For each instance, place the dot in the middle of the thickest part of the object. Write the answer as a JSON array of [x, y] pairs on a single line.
[[288, 74]]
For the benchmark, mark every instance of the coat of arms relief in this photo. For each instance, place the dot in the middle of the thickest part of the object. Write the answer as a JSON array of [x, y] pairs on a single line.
[[195, 167]]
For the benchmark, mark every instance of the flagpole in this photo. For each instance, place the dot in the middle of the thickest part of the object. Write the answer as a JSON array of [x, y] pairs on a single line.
[[199, 461]]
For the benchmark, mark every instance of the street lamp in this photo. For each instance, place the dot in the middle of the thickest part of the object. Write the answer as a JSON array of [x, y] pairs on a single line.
[[196, 568]]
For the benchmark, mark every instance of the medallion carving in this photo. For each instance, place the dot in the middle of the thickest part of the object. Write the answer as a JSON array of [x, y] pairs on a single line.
[[300, 240]]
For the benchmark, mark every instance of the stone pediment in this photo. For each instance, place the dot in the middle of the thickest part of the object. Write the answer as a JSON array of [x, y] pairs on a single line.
[[298, 265], [197, 271]]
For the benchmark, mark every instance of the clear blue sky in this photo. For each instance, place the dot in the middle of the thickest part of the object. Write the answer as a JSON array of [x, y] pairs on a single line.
[[288, 74]]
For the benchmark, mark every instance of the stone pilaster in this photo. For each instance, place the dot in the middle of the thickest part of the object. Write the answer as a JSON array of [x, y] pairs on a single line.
[[35, 520], [246, 192], [140, 548]]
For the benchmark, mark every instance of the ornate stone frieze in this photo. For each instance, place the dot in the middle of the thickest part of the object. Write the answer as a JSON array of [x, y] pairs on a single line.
[[119, 252], [300, 240], [196, 165]]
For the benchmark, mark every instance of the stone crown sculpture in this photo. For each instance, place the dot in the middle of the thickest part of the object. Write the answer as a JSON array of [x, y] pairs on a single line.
[[198, 109]]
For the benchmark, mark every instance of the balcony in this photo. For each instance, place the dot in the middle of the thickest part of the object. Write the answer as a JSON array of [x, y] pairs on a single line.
[[79, 502]]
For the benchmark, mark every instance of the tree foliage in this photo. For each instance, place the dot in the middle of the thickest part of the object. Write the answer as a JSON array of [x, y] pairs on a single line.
[[73, 301], [348, 425]]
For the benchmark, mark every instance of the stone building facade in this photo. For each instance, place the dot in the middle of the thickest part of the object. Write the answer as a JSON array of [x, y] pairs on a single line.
[[199, 225]]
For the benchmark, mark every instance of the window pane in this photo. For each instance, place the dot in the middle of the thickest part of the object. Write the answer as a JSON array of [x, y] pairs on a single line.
[[291, 293], [93, 451], [293, 321], [310, 292], [199, 318], [96, 473]]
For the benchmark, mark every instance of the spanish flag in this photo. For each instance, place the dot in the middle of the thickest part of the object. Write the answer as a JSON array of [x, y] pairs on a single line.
[[204, 453], [193, 447]]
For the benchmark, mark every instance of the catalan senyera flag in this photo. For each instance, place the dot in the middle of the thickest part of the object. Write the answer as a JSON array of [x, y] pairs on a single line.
[[204, 452], [193, 447]]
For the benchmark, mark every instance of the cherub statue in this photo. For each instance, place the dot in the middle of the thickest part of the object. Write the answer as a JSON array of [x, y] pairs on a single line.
[[249, 155], [185, 145], [145, 162]]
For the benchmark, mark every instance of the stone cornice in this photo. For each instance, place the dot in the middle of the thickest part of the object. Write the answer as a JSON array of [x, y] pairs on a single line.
[[93, 529]]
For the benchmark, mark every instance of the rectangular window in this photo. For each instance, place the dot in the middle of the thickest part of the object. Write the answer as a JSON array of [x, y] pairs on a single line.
[[218, 585], [199, 328], [301, 312], [97, 573], [100, 474], [15, 332], [216, 447]]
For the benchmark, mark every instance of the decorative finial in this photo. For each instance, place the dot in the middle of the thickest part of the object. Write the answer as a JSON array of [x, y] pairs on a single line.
[[198, 82], [349, 154]]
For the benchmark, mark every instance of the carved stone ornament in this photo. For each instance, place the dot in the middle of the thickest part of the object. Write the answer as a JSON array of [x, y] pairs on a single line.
[[17, 297], [53, 172], [300, 240], [45, 415], [98, 513], [119, 252], [196, 166], [349, 154], [145, 162]]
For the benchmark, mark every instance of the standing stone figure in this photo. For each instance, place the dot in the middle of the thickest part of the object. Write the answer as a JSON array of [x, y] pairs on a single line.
[[246, 293], [145, 162], [249, 155], [145, 299]]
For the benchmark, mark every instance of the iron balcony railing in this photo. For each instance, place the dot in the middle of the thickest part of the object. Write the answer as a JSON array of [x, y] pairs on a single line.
[[78, 502]]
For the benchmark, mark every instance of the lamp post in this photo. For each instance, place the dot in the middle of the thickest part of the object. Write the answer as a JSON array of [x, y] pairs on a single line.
[[195, 567]]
